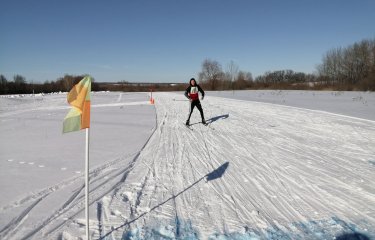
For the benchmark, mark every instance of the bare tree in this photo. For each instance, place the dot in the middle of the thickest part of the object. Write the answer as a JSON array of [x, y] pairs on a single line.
[[350, 66], [68, 82], [232, 72], [3, 84], [3, 79], [18, 79], [211, 73]]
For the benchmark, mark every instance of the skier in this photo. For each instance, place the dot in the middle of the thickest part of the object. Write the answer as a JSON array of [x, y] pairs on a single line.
[[192, 94]]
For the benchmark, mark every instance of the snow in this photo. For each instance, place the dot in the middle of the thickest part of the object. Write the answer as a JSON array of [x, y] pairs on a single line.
[[259, 170], [355, 104], [40, 164]]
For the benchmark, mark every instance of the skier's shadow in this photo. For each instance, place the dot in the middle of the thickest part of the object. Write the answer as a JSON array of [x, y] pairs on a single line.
[[215, 174], [214, 119], [352, 236]]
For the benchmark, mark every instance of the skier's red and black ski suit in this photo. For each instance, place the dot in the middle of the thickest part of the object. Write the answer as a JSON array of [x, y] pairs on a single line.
[[192, 94]]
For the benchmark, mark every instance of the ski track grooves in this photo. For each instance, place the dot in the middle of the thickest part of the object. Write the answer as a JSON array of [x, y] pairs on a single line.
[[10, 227], [74, 204], [100, 195], [286, 166]]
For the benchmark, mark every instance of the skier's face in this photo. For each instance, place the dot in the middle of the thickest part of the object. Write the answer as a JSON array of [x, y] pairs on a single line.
[[192, 82]]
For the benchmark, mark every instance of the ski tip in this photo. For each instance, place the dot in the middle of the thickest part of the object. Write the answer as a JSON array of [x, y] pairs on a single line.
[[188, 126]]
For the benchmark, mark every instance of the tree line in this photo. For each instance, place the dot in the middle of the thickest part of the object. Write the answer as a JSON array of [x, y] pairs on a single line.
[[20, 86], [353, 66], [213, 77], [349, 68]]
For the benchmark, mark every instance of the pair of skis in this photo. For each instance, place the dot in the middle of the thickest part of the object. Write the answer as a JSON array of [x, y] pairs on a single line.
[[189, 125], [207, 125]]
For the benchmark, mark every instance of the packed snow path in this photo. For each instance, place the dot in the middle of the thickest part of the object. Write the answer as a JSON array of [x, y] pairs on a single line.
[[257, 170]]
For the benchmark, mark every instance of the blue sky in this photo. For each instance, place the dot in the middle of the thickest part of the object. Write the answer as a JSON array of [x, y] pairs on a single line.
[[167, 41]]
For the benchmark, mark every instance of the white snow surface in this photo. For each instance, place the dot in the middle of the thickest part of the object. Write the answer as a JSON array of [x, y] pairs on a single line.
[[353, 103], [256, 171]]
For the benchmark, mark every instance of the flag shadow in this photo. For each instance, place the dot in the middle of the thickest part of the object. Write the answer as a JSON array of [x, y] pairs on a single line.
[[217, 173]]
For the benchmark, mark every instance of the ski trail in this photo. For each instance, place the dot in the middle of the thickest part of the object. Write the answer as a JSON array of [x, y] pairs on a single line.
[[70, 210], [255, 167], [12, 226], [286, 165], [103, 179]]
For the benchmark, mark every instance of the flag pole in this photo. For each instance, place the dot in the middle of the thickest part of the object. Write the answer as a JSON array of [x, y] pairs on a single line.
[[87, 184], [78, 118]]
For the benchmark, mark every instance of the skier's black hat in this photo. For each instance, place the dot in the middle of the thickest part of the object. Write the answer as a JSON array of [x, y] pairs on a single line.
[[191, 80]]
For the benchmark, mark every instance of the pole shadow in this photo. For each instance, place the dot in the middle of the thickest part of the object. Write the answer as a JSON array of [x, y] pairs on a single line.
[[217, 173]]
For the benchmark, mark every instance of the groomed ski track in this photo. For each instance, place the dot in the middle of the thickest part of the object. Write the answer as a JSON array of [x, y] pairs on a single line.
[[257, 170], [285, 168]]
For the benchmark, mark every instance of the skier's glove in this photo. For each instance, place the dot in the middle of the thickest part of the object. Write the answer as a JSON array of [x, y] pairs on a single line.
[[202, 97]]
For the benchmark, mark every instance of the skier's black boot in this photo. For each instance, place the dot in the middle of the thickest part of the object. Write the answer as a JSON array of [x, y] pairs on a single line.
[[204, 121], [187, 123]]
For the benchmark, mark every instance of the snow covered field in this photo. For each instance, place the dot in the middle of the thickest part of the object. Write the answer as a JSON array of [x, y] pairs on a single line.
[[42, 170], [257, 171], [356, 104]]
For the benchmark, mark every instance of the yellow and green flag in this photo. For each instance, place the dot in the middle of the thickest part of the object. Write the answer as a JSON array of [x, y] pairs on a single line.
[[79, 97]]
